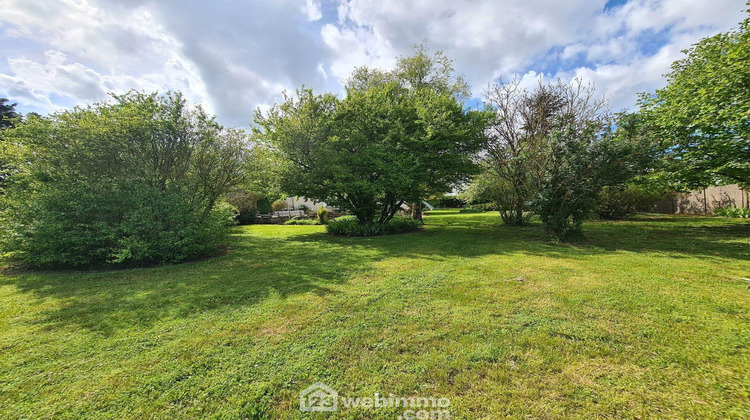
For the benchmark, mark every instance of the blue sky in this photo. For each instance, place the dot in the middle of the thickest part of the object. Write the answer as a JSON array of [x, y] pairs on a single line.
[[234, 56]]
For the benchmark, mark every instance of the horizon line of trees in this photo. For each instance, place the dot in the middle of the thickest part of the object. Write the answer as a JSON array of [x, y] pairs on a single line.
[[145, 178]]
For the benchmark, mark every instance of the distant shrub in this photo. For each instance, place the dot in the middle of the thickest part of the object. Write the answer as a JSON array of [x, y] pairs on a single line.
[[350, 226], [278, 205], [447, 201], [302, 221], [246, 216], [471, 210], [323, 214], [264, 205], [487, 206], [743, 213], [617, 203], [245, 203]]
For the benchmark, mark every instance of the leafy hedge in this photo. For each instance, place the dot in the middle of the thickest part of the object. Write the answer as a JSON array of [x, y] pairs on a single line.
[[301, 221], [617, 203], [350, 226], [137, 181], [735, 212]]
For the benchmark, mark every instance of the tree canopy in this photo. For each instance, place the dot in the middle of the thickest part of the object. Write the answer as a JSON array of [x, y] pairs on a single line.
[[8, 113], [703, 114], [397, 137]]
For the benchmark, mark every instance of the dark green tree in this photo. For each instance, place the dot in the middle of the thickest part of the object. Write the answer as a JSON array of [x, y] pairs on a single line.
[[422, 71], [8, 114], [374, 150]]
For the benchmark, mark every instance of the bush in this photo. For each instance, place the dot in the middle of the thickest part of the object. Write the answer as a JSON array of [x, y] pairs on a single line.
[[446, 201], [246, 216], [278, 205], [85, 225], [244, 202], [471, 210], [137, 181], [301, 221], [350, 226], [617, 203], [264, 205], [735, 212], [323, 214]]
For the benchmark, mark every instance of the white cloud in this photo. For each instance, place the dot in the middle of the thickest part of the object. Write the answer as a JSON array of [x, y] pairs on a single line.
[[312, 9], [233, 56], [492, 38]]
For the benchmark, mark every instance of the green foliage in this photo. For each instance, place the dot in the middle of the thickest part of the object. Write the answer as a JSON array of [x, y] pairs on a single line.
[[264, 205], [351, 226], [323, 214], [245, 202], [490, 191], [262, 169], [471, 210], [585, 155], [703, 112], [134, 181], [521, 140], [570, 185], [8, 114], [303, 221], [446, 201], [385, 144], [743, 212], [420, 71], [618, 202]]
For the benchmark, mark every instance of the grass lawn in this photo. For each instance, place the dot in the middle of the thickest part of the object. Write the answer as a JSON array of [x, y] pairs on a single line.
[[646, 319]]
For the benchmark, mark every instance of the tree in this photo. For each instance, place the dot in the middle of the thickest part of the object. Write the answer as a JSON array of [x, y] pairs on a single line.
[[374, 150], [519, 139], [585, 157], [419, 72], [8, 114], [703, 114], [137, 180]]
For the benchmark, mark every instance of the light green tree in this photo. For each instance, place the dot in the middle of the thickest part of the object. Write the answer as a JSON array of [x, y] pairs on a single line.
[[703, 114]]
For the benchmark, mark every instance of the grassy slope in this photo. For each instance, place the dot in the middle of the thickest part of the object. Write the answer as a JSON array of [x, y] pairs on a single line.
[[648, 318]]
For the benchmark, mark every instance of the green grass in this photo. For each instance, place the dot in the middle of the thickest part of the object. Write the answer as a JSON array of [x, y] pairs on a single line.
[[646, 319]]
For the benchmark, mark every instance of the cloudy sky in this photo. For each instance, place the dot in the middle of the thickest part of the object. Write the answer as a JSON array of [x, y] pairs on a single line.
[[233, 56]]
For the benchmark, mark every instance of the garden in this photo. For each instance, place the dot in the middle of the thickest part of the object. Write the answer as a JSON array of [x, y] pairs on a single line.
[[503, 259], [647, 318]]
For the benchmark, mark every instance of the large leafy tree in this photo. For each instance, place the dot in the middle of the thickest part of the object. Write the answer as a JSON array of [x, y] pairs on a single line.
[[419, 72], [703, 114], [383, 145]]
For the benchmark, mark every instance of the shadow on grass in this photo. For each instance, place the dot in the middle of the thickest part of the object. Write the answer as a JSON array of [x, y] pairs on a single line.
[[256, 269], [282, 263]]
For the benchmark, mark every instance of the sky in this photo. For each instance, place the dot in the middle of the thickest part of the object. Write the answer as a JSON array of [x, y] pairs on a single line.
[[235, 56]]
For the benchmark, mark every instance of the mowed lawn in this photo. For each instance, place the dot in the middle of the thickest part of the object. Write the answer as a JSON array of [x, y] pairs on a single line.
[[648, 318]]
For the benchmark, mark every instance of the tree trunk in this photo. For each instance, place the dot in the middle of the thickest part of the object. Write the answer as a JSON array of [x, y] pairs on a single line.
[[416, 212]]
